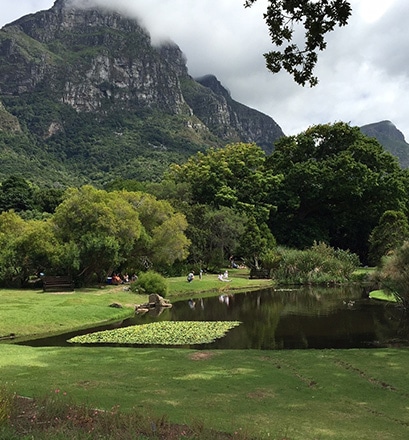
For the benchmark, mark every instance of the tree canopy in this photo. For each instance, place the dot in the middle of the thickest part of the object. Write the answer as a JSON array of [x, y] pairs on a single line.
[[318, 17], [336, 185]]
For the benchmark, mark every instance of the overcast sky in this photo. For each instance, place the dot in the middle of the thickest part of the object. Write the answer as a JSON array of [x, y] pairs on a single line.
[[363, 74]]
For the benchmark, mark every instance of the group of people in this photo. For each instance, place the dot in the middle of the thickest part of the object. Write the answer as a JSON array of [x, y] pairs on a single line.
[[224, 276], [117, 278]]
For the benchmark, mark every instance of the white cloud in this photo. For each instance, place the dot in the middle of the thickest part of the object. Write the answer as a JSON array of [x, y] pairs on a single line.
[[363, 74]]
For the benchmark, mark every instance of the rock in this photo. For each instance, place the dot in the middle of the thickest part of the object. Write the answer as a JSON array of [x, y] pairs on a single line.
[[116, 305]]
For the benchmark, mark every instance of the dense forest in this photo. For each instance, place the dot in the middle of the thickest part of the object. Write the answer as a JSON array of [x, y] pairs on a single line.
[[329, 186]]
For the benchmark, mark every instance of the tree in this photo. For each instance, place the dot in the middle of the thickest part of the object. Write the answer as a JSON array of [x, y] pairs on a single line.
[[256, 241], [318, 17], [391, 232], [162, 240], [336, 185], [99, 228], [26, 248], [17, 194], [234, 176], [214, 234], [221, 189]]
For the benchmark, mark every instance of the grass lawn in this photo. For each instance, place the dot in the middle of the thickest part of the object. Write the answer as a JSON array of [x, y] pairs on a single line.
[[297, 395], [209, 284], [289, 394], [28, 312], [24, 313]]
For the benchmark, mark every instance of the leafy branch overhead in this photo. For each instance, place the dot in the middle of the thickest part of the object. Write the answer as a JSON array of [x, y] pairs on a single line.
[[317, 17]]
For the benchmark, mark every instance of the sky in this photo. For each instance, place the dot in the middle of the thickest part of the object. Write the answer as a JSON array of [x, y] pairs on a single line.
[[363, 74]]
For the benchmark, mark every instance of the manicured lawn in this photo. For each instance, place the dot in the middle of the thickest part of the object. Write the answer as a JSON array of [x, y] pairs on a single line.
[[209, 284], [297, 395], [292, 394], [30, 312], [26, 313]]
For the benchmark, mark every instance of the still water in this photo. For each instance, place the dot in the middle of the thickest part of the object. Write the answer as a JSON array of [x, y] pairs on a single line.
[[285, 319]]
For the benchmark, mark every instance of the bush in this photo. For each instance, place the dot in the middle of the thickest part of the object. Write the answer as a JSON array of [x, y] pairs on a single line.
[[317, 265], [150, 282], [394, 274]]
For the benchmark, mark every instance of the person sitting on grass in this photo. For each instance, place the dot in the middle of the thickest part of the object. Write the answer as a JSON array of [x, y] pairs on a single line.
[[222, 278], [190, 277]]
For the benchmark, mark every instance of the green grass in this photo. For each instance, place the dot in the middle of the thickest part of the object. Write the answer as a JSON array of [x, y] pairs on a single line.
[[209, 284], [289, 394], [27, 313], [297, 395]]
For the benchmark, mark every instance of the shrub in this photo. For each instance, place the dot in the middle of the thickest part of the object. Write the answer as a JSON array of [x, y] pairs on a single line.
[[394, 274], [316, 265], [150, 282]]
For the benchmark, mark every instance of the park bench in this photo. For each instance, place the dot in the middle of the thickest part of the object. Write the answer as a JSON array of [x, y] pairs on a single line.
[[57, 283]]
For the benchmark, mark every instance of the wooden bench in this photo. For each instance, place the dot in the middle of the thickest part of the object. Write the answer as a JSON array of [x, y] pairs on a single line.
[[57, 283]]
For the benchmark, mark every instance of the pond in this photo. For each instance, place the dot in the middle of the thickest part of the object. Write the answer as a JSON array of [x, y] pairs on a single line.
[[274, 319]]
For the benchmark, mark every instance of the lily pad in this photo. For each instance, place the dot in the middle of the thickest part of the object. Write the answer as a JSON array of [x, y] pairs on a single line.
[[161, 333]]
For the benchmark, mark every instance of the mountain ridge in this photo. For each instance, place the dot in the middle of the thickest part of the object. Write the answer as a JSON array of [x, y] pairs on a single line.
[[85, 97], [391, 138]]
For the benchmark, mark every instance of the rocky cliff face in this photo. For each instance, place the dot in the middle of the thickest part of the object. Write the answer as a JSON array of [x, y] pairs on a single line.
[[390, 138], [98, 62], [91, 60]]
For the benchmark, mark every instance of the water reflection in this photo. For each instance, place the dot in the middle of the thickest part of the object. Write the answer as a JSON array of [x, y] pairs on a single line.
[[287, 319], [295, 318]]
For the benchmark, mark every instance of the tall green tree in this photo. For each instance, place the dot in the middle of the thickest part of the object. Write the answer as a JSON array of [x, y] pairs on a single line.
[[99, 227], [316, 17], [26, 248], [255, 243], [337, 184], [219, 191], [214, 234], [162, 240], [234, 176], [104, 231]]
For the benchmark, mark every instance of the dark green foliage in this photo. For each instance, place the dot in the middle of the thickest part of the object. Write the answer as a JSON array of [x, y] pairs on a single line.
[[150, 282], [394, 274], [391, 232], [17, 194], [94, 148], [255, 242], [319, 264], [318, 17], [336, 185]]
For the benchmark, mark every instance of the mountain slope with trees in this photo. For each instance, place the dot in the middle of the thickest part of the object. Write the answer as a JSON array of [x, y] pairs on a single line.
[[86, 97]]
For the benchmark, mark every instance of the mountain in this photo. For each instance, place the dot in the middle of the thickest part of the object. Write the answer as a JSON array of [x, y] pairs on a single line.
[[390, 138], [86, 97]]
